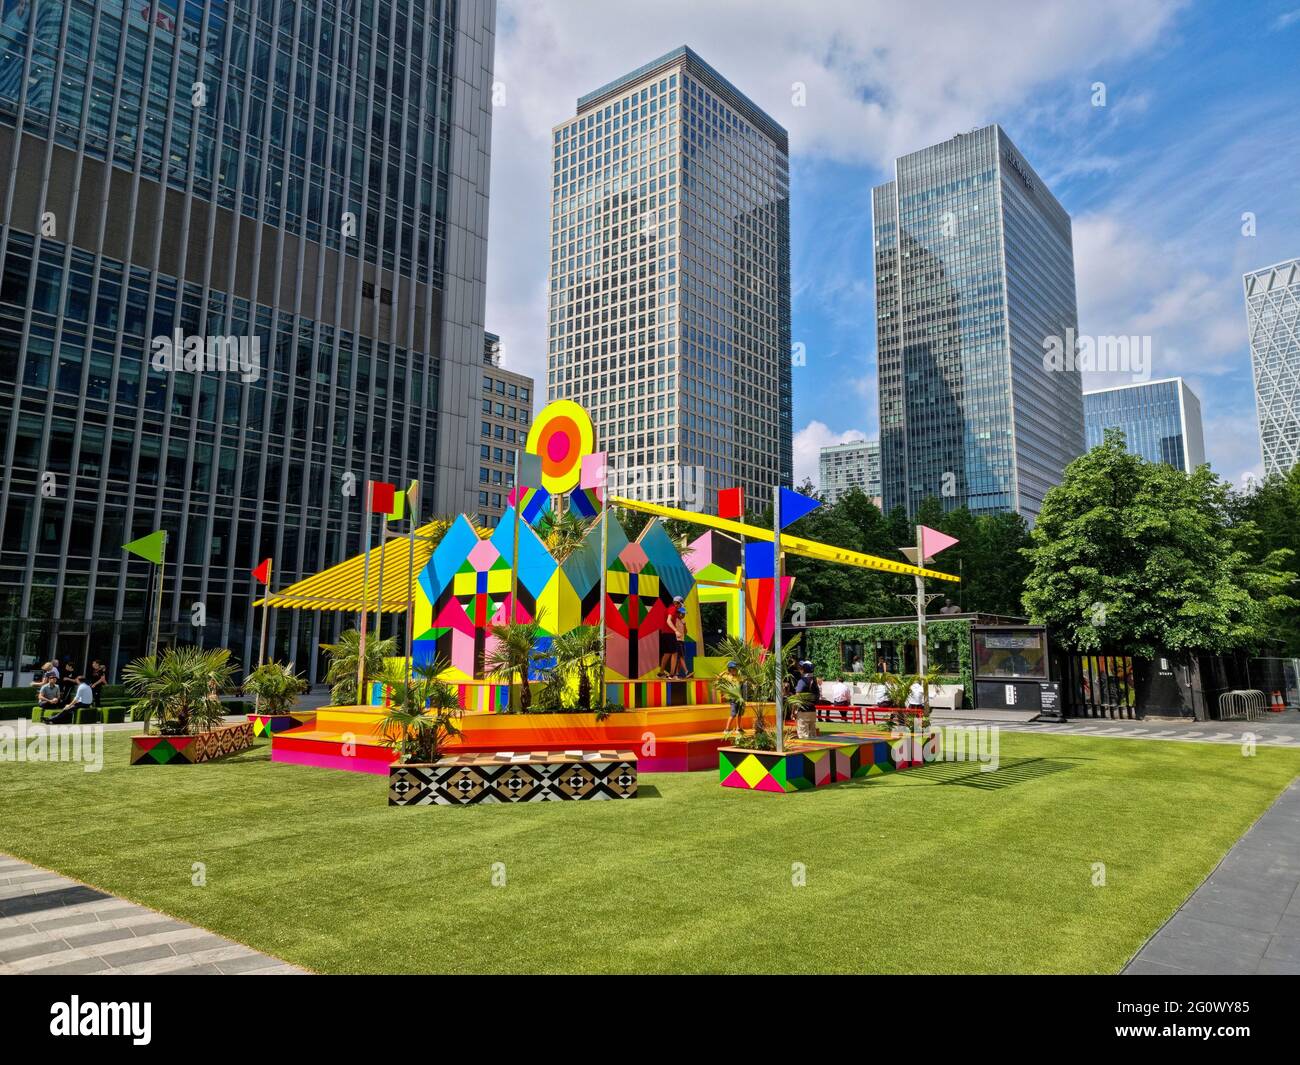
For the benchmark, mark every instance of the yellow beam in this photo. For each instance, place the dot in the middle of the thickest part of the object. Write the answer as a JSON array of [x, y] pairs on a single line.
[[795, 545]]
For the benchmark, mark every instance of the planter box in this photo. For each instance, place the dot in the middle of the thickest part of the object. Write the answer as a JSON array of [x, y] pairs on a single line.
[[269, 724], [507, 776], [190, 750], [805, 765]]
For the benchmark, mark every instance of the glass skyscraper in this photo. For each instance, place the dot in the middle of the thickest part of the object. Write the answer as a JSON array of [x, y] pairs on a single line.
[[1161, 421], [974, 273], [302, 182], [670, 282], [1273, 319]]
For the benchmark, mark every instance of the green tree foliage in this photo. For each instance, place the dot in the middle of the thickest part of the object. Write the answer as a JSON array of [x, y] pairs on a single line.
[[987, 558], [1273, 509], [1135, 555]]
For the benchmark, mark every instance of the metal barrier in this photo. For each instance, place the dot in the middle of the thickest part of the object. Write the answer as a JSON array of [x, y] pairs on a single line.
[[1242, 704]]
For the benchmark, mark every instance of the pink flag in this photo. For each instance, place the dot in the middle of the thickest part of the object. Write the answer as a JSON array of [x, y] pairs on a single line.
[[933, 541]]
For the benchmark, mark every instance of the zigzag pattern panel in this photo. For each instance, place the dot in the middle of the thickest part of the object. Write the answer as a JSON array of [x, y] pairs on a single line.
[[539, 776]]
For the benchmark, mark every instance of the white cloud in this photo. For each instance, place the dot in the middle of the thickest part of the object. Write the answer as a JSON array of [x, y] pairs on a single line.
[[880, 80], [808, 443]]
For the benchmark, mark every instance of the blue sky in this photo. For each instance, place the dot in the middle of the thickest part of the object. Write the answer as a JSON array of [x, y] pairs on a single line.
[[1201, 124]]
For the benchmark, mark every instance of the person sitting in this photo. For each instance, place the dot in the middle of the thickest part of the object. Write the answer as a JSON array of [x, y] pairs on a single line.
[[48, 696], [82, 699], [834, 693]]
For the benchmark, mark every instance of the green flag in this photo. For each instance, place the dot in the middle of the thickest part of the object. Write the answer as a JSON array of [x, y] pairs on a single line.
[[150, 547]]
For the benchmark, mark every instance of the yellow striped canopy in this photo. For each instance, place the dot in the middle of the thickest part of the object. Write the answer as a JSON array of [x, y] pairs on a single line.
[[339, 587]]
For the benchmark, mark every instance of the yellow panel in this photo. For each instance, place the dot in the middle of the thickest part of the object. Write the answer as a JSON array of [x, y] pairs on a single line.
[[795, 545]]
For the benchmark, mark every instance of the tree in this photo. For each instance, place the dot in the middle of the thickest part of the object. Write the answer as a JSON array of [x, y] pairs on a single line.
[[341, 675], [512, 655], [1139, 556], [1273, 510]]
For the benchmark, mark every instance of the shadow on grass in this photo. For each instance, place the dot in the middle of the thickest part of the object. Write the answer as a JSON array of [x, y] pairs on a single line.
[[1008, 773]]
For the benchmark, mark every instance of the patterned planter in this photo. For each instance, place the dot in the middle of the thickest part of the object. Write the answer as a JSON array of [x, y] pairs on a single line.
[[805, 764], [269, 724], [508, 776], [190, 750]]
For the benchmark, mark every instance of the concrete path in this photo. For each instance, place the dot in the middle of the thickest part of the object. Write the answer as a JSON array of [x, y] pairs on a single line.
[[50, 924], [1245, 918], [1271, 730]]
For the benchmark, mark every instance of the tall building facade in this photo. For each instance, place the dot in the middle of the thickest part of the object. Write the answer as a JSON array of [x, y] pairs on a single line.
[[670, 282], [842, 467], [1273, 320], [506, 412], [1161, 421], [974, 267], [303, 184]]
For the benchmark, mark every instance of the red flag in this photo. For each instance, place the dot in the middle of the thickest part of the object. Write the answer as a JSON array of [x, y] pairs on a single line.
[[382, 497], [263, 572], [731, 502]]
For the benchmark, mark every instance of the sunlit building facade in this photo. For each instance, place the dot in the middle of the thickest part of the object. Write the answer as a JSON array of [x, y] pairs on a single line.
[[670, 282], [974, 276], [1273, 320], [1161, 421]]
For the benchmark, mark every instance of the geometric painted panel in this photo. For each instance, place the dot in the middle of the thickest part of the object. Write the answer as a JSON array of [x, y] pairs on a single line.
[[190, 750], [807, 765], [508, 776]]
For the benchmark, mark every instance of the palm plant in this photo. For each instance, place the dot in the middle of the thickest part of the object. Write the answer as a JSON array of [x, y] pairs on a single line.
[[755, 686], [181, 690], [276, 687], [423, 714], [341, 675], [514, 654], [562, 533], [578, 664], [898, 689]]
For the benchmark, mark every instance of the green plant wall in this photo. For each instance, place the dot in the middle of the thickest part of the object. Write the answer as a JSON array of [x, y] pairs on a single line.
[[823, 644]]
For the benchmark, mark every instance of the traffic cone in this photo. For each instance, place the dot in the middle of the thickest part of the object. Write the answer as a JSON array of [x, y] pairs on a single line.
[[1279, 704]]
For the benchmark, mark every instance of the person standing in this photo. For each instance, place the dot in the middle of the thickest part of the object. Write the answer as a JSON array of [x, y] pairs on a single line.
[[733, 726], [98, 680], [678, 620]]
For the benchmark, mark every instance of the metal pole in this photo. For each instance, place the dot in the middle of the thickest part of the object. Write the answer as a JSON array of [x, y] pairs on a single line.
[[157, 614], [365, 601], [514, 553], [261, 644], [779, 666], [412, 506], [920, 626], [379, 592], [604, 554]]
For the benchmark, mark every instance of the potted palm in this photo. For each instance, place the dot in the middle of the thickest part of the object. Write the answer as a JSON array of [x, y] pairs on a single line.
[[179, 695], [578, 672], [755, 688], [276, 688], [513, 656], [422, 715], [341, 674]]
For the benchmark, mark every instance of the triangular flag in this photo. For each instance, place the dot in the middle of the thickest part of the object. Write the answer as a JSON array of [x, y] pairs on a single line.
[[381, 497], [910, 553], [412, 493], [263, 572], [933, 541], [398, 509], [731, 503], [794, 506], [150, 547]]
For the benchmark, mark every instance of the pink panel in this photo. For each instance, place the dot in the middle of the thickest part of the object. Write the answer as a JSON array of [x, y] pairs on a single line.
[[483, 555], [700, 553]]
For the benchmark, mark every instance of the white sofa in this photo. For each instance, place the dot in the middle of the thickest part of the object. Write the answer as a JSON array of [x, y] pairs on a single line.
[[942, 696]]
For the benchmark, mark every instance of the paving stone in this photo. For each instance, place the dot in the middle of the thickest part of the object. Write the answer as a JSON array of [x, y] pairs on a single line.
[[80, 967], [242, 964], [100, 935], [10, 931], [118, 958], [1284, 948]]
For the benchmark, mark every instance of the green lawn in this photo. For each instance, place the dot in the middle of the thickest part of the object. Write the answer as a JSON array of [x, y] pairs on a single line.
[[940, 869]]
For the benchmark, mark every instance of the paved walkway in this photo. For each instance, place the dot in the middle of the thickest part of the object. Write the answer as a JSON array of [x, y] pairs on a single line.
[[1245, 918], [50, 924], [1271, 730]]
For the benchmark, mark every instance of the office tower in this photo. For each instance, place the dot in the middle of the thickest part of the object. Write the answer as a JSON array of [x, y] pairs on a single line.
[[1161, 420], [1273, 319], [505, 415], [300, 186], [855, 464], [670, 282], [974, 281]]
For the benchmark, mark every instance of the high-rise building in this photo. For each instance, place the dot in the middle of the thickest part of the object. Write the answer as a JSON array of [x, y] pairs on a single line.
[[1161, 420], [670, 281], [505, 415], [1273, 319], [974, 279], [855, 464], [243, 273]]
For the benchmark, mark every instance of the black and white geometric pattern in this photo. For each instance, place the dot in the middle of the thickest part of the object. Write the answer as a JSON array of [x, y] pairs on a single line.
[[533, 776]]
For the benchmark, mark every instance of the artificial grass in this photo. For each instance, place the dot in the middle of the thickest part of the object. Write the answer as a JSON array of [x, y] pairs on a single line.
[[937, 869]]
